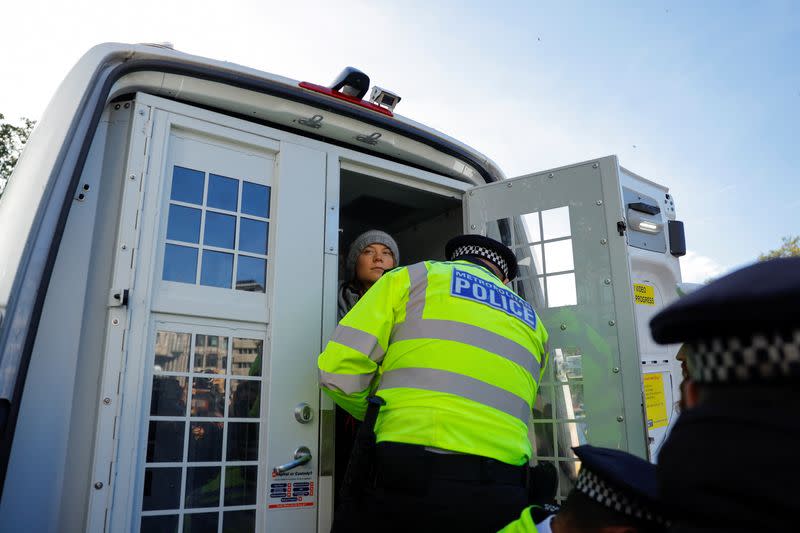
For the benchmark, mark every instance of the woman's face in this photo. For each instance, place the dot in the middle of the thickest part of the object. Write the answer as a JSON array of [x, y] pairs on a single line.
[[373, 261]]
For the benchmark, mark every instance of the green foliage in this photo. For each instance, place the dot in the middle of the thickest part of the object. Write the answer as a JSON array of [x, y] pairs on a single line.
[[12, 139], [789, 248]]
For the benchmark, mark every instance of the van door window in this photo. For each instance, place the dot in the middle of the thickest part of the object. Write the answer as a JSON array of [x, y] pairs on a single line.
[[203, 430], [217, 231]]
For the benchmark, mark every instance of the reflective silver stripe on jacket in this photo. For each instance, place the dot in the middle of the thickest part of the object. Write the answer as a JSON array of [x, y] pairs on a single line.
[[346, 383], [484, 339], [360, 341], [418, 275], [436, 380]]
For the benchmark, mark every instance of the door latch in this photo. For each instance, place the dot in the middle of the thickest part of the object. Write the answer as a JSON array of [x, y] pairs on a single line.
[[302, 455], [118, 297]]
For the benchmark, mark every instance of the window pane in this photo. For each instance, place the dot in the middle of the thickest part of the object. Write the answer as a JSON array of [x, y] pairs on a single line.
[[200, 522], [162, 489], [533, 231], [220, 230], [223, 193], [242, 441], [555, 223], [202, 486], [558, 256], [159, 524], [165, 442], [172, 351], [169, 396], [245, 399], [246, 357], [180, 264], [239, 521], [187, 185], [240, 485], [208, 396], [210, 354], [561, 290], [205, 441], [217, 269], [251, 274], [255, 199], [253, 236], [183, 224]]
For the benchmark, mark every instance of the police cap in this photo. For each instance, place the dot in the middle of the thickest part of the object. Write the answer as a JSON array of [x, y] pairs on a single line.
[[478, 246], [741, 328], [620, 481]]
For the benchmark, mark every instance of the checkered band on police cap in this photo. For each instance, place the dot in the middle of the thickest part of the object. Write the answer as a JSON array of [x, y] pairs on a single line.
[[486, 253], [759, 358], [598, 490]]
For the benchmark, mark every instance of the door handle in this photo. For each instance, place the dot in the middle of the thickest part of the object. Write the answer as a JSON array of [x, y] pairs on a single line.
[[302, 455]]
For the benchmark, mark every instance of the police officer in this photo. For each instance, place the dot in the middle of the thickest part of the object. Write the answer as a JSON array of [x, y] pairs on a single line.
[[730, 463], [457, 358], [615, 493]]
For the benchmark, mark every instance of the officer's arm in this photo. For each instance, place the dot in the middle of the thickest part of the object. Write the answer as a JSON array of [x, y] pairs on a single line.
[[349, 364]]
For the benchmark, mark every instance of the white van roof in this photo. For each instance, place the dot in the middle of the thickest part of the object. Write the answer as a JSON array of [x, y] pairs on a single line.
[[60, 142]]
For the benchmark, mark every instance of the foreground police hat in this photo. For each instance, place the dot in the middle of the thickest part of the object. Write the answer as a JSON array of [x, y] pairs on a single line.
[[620, 481], [478, 246], [742, 328]]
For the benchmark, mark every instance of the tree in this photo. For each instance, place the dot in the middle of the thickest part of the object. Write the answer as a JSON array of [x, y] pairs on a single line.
[[789, 248], [12, 139]]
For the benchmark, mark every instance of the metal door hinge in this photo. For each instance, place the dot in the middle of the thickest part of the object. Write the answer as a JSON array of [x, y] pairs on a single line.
[[621, 227], [118, 297]]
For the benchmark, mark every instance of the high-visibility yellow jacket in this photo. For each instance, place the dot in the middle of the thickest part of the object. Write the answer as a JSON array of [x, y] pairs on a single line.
[[523, 524], [455, 354]]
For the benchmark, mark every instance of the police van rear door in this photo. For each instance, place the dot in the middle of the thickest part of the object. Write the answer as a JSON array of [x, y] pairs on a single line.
[[562, 225]]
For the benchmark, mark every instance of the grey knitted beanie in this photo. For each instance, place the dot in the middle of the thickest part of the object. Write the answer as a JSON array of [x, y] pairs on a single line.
[[362, 241]]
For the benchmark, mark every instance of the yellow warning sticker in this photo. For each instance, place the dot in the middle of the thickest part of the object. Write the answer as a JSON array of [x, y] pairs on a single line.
[[655, 400], [644, 294]]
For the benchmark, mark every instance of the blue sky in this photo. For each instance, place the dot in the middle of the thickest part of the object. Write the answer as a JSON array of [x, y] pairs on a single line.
[[701, 96]]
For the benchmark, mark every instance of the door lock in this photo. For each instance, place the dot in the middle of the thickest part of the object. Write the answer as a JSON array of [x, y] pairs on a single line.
[[303, 413], [302, 455]]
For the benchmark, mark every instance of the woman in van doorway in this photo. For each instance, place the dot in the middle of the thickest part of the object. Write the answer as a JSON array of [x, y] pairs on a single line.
[[371, 254]]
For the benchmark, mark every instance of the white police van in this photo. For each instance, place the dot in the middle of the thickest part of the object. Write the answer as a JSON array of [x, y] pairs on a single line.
[[169, 260]]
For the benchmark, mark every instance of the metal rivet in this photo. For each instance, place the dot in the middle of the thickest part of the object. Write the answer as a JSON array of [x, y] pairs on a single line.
[[124, 246], [473, 226], [127, 105], [98, 485], [599, 202], [508, 185], [563, 327], [115, 322], [330, 249], [615, 370], [551, 175], [132, 177], [472, 193], [81, 196], [595, 165], [116, 106], [611, 323], [620, 418], [107, 400], [607, 281], [141, 112], [603, 241]]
